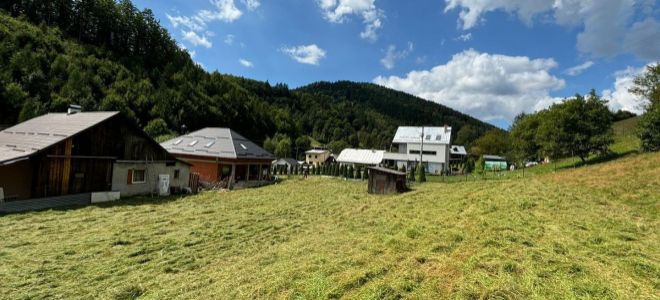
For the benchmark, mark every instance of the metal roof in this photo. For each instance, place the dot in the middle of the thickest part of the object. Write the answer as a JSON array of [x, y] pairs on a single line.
[[413, 157], [412, 134], [25, 139], [289, 161], [361, 156], [317, 151], [457, 150], [389, 171], [493, 157], [216, 142]]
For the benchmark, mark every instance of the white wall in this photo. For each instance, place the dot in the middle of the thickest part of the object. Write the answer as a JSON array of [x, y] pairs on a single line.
[[120, 177]]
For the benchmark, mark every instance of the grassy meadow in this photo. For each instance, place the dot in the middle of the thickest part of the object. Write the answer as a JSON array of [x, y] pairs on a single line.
[[587, 233]]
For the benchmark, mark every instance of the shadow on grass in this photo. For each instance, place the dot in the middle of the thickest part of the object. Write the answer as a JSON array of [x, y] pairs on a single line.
[[598, 159]]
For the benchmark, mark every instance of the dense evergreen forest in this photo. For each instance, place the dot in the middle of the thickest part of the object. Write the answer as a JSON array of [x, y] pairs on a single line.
[[108, 55]]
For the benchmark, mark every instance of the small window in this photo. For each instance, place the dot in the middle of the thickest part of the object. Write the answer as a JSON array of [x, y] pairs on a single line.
[[176, 174], [438, 137], [243, 146], [209, 144], [428, 137], [193, 143], [316, 156], [139, 176], [178, 141]]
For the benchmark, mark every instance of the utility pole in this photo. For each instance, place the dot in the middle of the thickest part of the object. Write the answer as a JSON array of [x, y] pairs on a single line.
[[421, 149]]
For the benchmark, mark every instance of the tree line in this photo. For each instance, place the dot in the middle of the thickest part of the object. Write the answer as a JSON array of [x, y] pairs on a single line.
[[109, 55]]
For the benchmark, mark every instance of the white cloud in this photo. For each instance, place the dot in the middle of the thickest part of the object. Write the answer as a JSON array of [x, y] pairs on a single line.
[[195, 39], [251, 4], [229, 39], [392, 55], [465, 37], [487, 86], [225, 10], [606, 25], [246, 63], [619, 97], [337, 11], [195, 26], [309, 54], [577, 70]]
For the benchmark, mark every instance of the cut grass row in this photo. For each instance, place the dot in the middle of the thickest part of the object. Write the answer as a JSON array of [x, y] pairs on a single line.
[[588, 233]]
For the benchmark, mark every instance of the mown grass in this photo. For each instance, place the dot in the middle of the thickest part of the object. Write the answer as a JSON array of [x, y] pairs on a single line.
[[588, 233]]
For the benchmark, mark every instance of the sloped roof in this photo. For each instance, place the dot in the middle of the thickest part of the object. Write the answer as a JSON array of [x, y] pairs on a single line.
[[493, 157], [361, 156], [317, 151], [289, 161], [25, 139], [457, 150], [432, 135], [389, 171], [216, 142]]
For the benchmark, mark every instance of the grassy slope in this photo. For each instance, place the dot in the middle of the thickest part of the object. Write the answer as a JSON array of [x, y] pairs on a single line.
[[585, 233]]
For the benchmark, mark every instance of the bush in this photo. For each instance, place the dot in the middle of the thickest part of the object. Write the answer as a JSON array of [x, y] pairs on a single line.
[[649, 129], [411, 174], [479, 166], [421, 173]]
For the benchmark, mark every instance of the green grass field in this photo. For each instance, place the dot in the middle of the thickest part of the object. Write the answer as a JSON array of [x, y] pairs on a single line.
[[589, 233]]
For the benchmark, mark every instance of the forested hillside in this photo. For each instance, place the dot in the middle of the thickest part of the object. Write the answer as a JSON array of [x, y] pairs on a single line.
[[108, 55]]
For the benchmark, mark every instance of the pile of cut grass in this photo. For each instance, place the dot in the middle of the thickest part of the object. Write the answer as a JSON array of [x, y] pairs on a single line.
[[588, 233]]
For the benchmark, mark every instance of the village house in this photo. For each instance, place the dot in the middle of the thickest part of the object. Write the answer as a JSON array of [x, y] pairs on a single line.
[[428, 144], [82, 157], [286, 163], [221, 155], [318, 156]]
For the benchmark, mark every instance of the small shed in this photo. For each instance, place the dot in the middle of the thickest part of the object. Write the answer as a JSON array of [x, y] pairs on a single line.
[[386, 181], [494, 162]]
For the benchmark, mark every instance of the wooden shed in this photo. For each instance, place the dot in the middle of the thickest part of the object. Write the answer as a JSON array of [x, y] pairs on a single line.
[[386, 181]]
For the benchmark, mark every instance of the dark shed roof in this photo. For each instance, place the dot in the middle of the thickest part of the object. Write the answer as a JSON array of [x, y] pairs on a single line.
[[493, 157], [216, 142], [386, 170], [25, 139]]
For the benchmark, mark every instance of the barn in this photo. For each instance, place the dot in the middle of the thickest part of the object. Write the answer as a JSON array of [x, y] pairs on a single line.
[[222, 156], [386, 181], [81, 157]]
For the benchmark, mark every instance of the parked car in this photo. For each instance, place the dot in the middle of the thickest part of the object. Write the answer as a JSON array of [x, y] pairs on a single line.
[[530, 164]]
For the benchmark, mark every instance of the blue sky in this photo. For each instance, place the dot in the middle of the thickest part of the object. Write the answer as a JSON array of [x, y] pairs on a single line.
[[490, 59]]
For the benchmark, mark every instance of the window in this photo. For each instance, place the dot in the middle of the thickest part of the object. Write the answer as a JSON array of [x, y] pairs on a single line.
[[428, 137], [193, 143], [139, 176], [176, 174], [178, 141], [424, 152], [438, 137], [243, 146], [316, 156], [209, 144]]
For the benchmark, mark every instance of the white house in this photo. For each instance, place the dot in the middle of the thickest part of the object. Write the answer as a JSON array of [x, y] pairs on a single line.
[[430, 144]]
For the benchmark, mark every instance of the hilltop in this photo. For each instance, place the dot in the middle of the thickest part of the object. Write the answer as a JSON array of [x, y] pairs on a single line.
[[51, 60]]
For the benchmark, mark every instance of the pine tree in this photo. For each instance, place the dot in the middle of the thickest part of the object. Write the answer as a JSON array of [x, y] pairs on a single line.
[[411, 173], [421, 173]]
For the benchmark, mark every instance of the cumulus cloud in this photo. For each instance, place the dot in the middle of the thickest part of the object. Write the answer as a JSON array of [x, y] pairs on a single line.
[[246, 63], [251, 4], [577, 70], [618, 95], [465, 37], [195, 26], [607, 25], [392, 55], [195, 39], [306, 54], [487, 86], [338, 11], [229, 39]]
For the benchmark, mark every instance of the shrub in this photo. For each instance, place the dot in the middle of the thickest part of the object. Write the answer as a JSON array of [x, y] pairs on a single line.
[[411, 174], [649, 129], [421, 173]]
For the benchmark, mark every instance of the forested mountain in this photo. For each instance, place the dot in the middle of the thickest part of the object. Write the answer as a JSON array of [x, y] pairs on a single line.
[[108, 55]]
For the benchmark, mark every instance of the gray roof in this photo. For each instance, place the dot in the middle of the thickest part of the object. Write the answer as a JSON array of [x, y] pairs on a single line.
[[412, 134], [386, 170], [289, 161], [216, 142], [493, 157], [25, 139], [361, 156], [457, 150]]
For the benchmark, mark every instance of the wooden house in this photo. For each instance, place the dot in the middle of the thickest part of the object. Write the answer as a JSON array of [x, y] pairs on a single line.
[[386, 181], [94, 155]]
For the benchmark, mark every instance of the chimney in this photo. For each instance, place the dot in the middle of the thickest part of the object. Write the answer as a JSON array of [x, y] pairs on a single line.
[[446, 128], [73, 108]]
